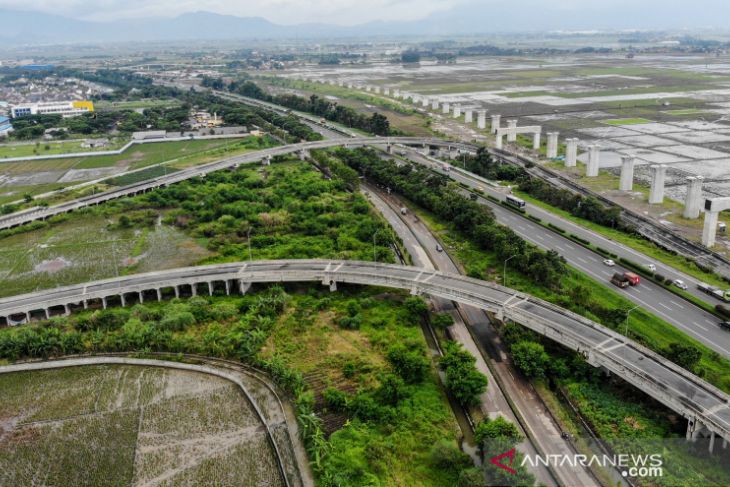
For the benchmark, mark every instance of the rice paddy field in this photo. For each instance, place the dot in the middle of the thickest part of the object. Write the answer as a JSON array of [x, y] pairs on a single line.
[[129, 425]]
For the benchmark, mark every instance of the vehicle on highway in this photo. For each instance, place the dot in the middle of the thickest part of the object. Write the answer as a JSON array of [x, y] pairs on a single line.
[[609, 262], [723, 295], [633, 278], [514, 201], [620, 280], [439, 248], [650, 267], [680, 284], [725, 325]]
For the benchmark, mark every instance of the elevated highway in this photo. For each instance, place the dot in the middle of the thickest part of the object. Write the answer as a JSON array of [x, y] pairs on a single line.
[[38, 213], [706, 408]]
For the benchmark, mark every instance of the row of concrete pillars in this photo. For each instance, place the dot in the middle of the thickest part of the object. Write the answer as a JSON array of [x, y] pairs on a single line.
[[695, 429], [693, 201]]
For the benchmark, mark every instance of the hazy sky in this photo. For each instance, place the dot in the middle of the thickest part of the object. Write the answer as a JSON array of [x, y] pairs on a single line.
[[348, 12]]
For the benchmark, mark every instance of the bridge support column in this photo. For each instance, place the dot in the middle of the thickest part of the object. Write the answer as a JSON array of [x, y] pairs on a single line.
[[389, 148], [266, 161], [693, 201], [434, 103], [386, 91], [499, 143], [594, 161], [445, 108], [571, 152], [626, 182], [512, 134], [496, 122], [141, 297], [48, 314], [712, 442], [552, 145], [481, 119], [103, 303], [658, 173], [536, 141], [159, 294], [303, 155], [124, 301], [396, 93], [210, 288], [243, 286], [86, 304], [709, 231], [468, 115], [424, 101], [177, 291], [228, 287], [27, 316], [194, 289]]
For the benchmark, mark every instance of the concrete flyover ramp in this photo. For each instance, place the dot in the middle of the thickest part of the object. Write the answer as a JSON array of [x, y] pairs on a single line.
[[38, 213], [706, 408]]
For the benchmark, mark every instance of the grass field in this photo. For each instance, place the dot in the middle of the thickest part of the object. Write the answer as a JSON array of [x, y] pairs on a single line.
[[52, 148], [626, 121], [84, 248], [126, 425]]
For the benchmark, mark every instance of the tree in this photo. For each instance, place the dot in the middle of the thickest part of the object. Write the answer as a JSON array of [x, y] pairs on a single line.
[[410, 56], [416, 306], [530, 358], [463, 380], [411, 365], [685, 356], [494, 429]]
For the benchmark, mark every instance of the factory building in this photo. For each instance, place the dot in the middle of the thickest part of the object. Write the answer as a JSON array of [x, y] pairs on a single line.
[[63, 108]]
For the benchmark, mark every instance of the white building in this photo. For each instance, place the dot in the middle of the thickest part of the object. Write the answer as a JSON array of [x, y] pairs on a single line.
[[63, 108]]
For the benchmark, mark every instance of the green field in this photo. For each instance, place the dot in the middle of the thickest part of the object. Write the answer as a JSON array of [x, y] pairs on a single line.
[[626, 121], [127, 425], [54, 147]]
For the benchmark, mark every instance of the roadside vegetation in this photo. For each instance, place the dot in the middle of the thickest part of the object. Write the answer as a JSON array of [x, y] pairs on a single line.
[[546, 361]]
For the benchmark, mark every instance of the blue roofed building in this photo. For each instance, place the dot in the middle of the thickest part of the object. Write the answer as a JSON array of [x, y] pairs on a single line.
[[5, 126]]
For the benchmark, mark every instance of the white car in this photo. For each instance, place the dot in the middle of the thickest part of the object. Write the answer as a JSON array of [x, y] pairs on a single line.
[[651, 267], [609, 262], [680, 284]]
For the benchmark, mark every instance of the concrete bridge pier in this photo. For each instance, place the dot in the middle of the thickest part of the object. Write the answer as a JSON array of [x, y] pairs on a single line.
[[243, 286], [377, 90], [396, 93], [457, 110], [693, 202], [159, 294], [496, 122], [48, 315], [194, 289], [424, 101], [303, 155], [177, 291], [141, 297], [103, 303], [124, 301], [552, 145], [434, 103], [658, 174], [210, 288], [86, 304], [469, 115], [481, 119], [571, 152], [445, 108], [498, 142], [389, 148], [266, 161], [536, 141], [228, 287], [512, 134], [626, 182], [594, 161]]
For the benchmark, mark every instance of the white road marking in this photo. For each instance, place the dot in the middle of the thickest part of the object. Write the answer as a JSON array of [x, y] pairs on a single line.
[[560, 248], [582, 260], [699, 326], [665, 306], [676, 303]]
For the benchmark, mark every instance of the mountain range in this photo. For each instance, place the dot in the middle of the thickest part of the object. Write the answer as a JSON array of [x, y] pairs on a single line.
[[478, 17]]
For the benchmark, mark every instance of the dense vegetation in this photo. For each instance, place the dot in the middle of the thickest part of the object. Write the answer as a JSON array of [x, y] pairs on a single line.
[[376, 123], [434, 193]]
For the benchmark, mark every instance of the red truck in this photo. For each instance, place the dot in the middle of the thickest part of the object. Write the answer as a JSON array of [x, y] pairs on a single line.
[[634, 279]]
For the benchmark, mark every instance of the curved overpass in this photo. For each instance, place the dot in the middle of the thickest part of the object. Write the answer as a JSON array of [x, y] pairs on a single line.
[[701, 403], [32, 214]]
